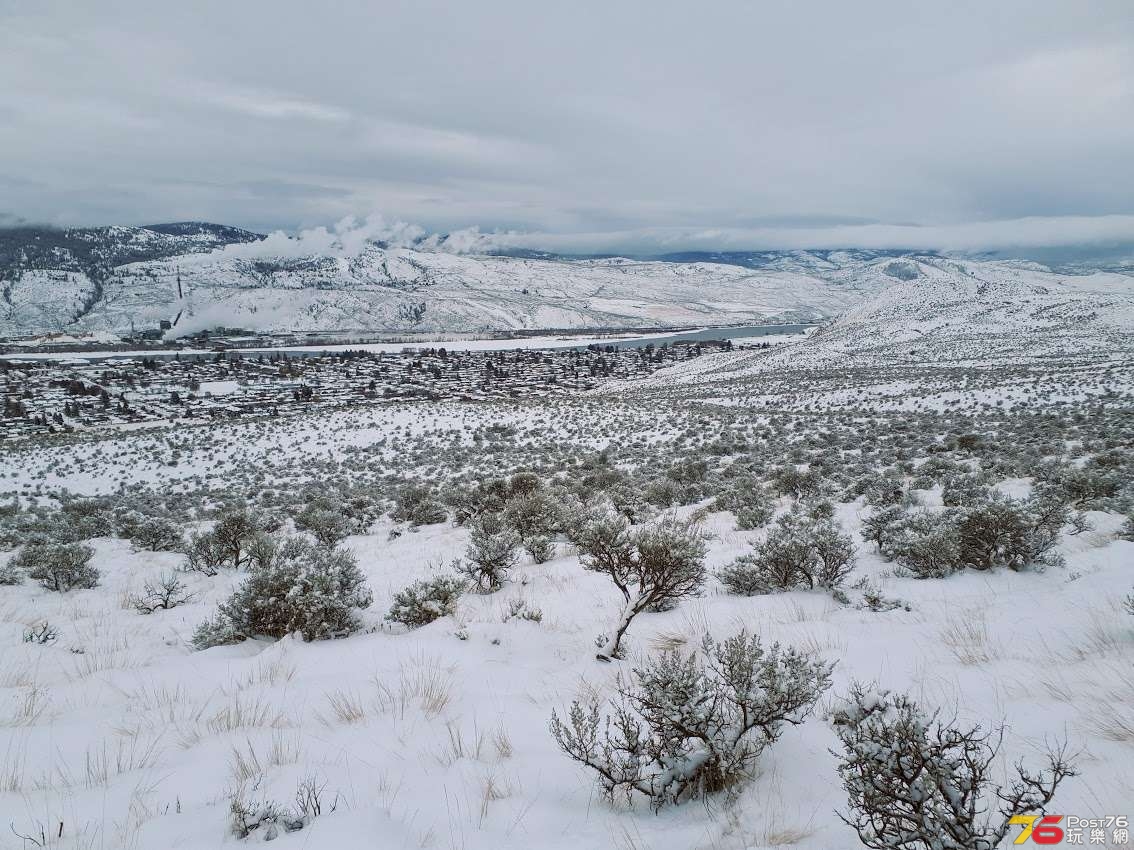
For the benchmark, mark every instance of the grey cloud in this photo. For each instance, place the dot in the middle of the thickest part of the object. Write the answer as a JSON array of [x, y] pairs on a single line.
[[624, 124]]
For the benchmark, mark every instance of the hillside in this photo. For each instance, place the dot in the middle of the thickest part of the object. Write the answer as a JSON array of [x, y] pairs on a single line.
[[200, 276], [952, 314]]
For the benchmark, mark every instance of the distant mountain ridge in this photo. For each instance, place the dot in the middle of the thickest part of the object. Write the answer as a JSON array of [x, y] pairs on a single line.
[[197, 275]]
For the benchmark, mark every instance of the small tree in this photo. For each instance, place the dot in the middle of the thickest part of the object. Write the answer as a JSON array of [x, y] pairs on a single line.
[[234, 535], [913, 781], [652, 567], [58, 566], [689, 726], [878, 528]]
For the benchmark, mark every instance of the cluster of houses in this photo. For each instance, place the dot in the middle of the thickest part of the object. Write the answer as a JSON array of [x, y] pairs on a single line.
[[74, 392]]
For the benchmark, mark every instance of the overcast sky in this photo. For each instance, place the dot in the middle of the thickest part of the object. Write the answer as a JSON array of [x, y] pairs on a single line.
[[579, 125]]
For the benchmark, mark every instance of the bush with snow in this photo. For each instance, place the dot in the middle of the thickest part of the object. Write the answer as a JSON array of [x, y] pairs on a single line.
[[799, 552], [58, 566], [238, 540], [994, 532], [426, 600], [417, 505], [326, 523], [156, 534], [687, 726], [491, 552], [302, 587], [748, 500], [914, 781], [534, 513]]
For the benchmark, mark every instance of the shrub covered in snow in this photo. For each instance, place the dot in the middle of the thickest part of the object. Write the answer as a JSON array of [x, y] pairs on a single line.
[[748, 500], [57, 566], [534, 513], [653, 567], [491, 552], [326, 523], [238, 540], [799, 552], [266, 819], [914, 781], [1009, 533], [426, 600], [685, 727], [540, 548], [156, 534], [302, 587], [10, 573], [923, 542], [994, 532], [417, 505]]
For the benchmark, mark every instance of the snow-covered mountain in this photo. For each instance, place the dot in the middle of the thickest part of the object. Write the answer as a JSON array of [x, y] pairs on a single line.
[[201, 276]]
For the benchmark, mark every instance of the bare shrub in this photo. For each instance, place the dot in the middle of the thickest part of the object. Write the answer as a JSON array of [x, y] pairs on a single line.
[[168, 592], [913, 781], [689, 726]]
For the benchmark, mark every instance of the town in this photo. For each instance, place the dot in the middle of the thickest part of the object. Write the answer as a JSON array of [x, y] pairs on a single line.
[[51, 396]]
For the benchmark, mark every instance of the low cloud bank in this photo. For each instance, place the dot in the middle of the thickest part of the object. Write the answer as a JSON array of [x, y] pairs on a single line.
[[348, 237]]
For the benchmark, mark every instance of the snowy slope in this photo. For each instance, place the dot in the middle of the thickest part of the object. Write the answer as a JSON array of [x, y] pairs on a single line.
[[401, 289], [953, 313], [202, 276]]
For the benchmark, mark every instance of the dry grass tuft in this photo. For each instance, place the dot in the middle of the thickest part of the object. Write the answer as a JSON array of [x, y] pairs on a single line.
[[969, 640], [346, 709], [425, 684], [668, 641], [457, 747], [25, 707], [502, 743]]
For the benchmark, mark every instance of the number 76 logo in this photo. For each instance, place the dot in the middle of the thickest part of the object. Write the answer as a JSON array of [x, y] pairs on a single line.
[[1043, 832]]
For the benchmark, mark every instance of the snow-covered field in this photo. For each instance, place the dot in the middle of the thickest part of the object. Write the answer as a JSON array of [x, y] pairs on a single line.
[[120, 734]]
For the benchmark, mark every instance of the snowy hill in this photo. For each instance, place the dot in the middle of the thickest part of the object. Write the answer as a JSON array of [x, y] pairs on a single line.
[[952, 313], [200, 276]]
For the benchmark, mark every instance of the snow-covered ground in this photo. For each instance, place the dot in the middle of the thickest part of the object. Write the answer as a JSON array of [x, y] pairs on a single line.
[[119, 734], [129, 738]]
